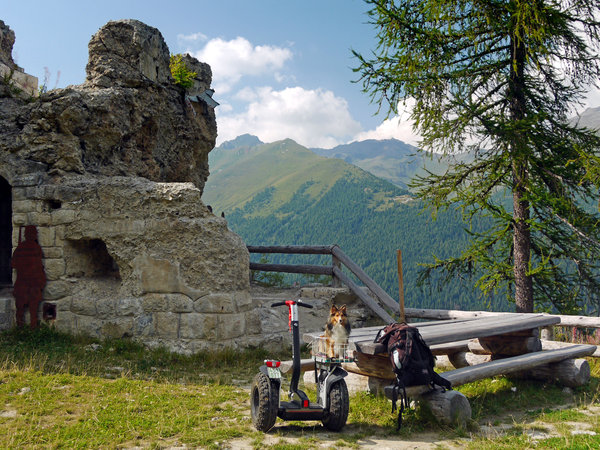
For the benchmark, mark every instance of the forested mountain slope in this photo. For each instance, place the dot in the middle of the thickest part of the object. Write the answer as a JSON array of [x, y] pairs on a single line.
[[284, 194]]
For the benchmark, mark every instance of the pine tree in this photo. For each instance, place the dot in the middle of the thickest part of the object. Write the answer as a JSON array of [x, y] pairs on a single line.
[[501, 78]]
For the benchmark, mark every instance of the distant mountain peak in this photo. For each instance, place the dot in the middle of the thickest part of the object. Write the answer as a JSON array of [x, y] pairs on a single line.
[[244, 140], [590, 118]]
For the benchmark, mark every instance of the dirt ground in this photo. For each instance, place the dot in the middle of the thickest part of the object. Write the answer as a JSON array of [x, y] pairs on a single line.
[[319, 437]]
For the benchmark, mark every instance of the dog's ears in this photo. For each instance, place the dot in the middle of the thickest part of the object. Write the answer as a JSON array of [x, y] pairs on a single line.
[[335, 309]]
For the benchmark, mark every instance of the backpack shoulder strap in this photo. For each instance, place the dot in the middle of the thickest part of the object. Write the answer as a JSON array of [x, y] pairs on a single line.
[[383, 335]]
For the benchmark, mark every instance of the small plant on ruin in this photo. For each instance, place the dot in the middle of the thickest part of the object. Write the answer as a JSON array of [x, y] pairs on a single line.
[[183, 76], [43, 88]]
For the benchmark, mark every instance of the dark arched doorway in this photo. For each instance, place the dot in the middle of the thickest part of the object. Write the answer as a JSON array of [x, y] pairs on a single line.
[[5, 232]]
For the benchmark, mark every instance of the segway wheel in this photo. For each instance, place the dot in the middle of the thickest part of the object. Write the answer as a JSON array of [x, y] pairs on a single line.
[[264, 402], [339, 405]]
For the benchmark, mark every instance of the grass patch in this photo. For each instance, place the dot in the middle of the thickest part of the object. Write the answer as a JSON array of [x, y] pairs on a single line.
[[48, 351], [74, 392]]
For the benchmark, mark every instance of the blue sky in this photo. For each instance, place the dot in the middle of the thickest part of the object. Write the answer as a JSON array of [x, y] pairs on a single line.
[[281, 69]]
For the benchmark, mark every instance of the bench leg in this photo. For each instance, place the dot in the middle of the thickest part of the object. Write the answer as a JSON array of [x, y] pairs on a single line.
[[466, 359], [449, 407], [570, 372]]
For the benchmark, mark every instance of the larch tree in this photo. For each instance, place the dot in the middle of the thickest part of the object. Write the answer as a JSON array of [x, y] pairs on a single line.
[[500, 79]]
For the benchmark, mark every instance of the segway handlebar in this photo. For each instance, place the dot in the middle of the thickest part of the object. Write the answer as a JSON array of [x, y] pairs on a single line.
[[298, 302]]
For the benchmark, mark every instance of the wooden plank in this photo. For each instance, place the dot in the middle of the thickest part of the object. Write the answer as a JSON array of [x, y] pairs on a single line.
[[515, 364], [506, 345], [580, 321], [448, 348], [369, 333], [566, 320], [420, 325], [569, 372], [551, 345], [483, 328], [505, 366], [446, 314], [365, 344], [293, 268], [291, 249], [378, 366], [305, 364], [401, 287], [362, 276], [382, 313], [442, 332], [365, 333], [483, 322]]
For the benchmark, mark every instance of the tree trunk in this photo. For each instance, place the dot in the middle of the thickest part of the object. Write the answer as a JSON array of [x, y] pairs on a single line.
[[519, 155], [522, 248]]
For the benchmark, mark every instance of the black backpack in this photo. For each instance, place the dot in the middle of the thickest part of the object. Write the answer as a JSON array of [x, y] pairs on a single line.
[[412, 362]]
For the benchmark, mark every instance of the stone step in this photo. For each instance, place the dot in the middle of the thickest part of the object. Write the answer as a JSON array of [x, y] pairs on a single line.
[[7, 309]]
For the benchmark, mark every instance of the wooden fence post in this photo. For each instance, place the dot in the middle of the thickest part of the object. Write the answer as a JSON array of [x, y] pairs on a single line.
[[401, 287], [336, 263]]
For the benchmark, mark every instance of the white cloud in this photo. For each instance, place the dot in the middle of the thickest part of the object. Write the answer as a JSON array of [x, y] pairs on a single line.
[[246, 94], [314, 118], [398, 127], [237, 58], [190, 38], [394, 128]]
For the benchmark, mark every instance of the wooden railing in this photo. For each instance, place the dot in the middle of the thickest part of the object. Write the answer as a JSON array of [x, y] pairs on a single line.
[[338, 258]]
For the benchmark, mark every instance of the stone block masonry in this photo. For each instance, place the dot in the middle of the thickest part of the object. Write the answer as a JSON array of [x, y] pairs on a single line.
[[165, 271]]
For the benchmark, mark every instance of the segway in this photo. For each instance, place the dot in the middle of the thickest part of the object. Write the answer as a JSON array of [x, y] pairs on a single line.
[[332, 404]]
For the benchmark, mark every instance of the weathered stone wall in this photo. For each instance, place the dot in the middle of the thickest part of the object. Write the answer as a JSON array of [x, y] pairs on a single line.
[[111, 172], [126, 256]]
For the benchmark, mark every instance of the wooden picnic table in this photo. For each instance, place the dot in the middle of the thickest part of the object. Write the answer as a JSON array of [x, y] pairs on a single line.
[[503, 334]]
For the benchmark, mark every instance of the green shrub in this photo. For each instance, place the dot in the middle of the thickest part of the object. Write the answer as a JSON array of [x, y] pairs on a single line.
[[183, 76]]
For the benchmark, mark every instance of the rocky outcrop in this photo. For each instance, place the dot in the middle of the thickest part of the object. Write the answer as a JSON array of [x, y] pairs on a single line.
[[7, 40], [125, 256], [128, 118]]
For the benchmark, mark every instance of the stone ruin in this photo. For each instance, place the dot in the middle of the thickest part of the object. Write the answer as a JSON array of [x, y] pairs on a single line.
[[111, 173]]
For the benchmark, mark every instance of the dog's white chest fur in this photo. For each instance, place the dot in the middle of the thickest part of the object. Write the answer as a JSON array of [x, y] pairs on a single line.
[[339, 334]]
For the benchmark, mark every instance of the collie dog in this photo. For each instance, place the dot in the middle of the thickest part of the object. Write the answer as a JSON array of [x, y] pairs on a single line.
[[336, 333]]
